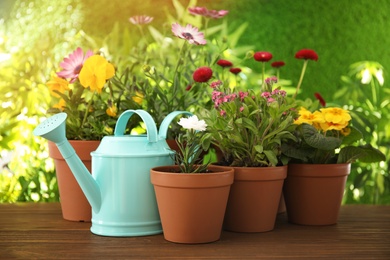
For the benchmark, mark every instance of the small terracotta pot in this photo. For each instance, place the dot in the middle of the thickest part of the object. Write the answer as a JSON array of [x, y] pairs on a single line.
[[313, 192], [74, 204], [192, 205], [254, 199]]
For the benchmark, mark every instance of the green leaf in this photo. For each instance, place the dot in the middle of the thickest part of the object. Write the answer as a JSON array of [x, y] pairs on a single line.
[[365, 153], [271, 157], [354, 136], [259, 148], [317, 140]]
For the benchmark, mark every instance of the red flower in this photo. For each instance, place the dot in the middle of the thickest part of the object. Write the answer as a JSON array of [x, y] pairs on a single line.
[[235, 70], [306, 54], [262, 56], [277, 64], [320, 98], [202, 74], [188, 88], [224, 63]]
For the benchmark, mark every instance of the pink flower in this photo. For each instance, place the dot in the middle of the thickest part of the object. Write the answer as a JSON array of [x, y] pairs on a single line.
[[207, 13], [73, 64], [265, 94], [271, 80], [222, 112], [141, 19], [189, 33], [202, 74], [216, 84], [262, 56], [242, 95], [241, 109]]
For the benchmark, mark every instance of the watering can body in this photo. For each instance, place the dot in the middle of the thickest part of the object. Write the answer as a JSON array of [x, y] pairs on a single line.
[[119, 189]]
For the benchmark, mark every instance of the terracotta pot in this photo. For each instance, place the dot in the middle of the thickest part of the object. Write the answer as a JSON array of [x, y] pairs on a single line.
[[313, 192], [192, 205], [74, 204], [254, 198]]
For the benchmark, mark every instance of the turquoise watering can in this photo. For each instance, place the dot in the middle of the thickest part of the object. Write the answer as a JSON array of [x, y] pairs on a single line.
[[119, 189]]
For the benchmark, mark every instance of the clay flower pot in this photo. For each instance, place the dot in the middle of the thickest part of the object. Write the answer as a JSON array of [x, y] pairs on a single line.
[[254, 198], [313, 192], [74, 204], [192, 205]]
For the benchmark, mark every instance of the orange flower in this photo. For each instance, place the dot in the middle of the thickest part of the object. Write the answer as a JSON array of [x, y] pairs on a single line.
[[59, 84], [112, 110], [60, 105]]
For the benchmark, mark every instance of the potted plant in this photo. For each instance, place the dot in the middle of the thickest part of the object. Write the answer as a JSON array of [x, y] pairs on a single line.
[[249, 127], [327, 144], [89, 90], [191, 195]]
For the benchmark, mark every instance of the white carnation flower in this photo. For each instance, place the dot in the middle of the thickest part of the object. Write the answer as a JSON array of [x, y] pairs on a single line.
[[193, 122]]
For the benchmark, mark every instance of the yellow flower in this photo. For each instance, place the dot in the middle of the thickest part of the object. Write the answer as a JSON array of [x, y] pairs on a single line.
[[138, 98], [94, 73], [112, 110], [60, 105], [335, 118], [59, 84], [305, 116]]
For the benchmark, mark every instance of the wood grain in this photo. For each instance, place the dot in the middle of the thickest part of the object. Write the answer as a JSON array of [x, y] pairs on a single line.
[[37, 231]]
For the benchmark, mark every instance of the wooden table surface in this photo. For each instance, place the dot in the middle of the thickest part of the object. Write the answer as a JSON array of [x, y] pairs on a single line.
[[37, 231]]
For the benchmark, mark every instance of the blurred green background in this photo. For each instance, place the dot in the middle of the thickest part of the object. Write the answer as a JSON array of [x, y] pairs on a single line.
[[350, 37]]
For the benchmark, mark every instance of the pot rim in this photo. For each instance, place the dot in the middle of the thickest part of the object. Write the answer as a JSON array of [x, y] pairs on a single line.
[[159, 177], [319, 170]]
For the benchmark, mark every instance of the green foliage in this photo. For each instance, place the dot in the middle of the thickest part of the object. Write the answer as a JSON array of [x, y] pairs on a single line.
[[367, 96], [34, 37]]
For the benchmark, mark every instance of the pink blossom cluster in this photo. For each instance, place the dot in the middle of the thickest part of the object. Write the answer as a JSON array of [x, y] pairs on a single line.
[[273, 96]]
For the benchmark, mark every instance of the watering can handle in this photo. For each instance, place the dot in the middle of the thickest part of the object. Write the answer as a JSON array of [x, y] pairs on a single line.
[[162, 134], [145, 116]]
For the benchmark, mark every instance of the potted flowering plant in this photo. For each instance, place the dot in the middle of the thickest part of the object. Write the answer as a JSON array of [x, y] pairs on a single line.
[[88, 90], [326, 145], [249, 127], [191, 195]]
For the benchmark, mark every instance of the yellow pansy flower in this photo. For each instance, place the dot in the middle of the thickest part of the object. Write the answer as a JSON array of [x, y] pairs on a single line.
[[96, 70], [59, 84]]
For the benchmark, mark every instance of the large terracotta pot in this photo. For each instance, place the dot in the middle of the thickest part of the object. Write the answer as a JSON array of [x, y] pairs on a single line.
[[192, 205], [74, 204], [313, 192], [254, 198]]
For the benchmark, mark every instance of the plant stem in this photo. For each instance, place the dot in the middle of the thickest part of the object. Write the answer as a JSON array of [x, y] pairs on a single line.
[[301, 78], [87, 110]]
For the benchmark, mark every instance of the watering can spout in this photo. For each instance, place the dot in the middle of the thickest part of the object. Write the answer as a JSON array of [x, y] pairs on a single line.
[[53, 129]]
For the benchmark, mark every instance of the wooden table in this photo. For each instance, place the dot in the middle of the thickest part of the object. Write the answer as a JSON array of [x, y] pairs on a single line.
[[37, 231]]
